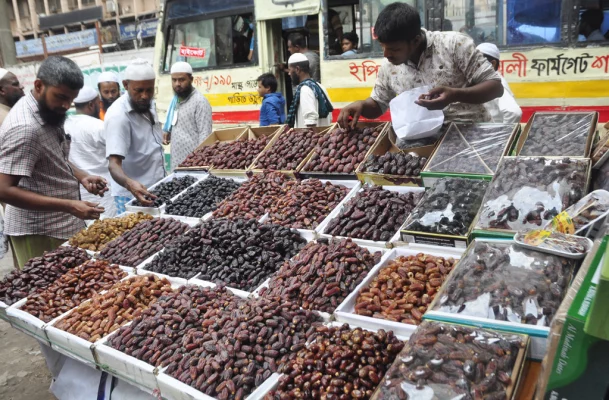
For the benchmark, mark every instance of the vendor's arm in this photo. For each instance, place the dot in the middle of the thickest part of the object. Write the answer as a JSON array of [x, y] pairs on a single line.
[[139, 191], [94, 184], [483, 82], [374, 106], [118, 142]]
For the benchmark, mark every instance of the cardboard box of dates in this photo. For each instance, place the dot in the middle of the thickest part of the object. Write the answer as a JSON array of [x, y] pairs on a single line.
[[201, 158], [289, 150], [241, 155], [445, 216], [575, 366], [341, 152], [386, 164], [558, 134], [500, 285], [527, 192], [449, 361], [470, 151]]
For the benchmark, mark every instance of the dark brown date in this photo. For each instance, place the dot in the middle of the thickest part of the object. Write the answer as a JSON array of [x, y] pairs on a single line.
[[560, 134], [240, 154], [405, 164], [290, 149]]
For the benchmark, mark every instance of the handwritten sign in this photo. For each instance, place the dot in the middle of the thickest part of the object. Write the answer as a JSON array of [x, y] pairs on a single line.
[[245, 98], [194, 52]]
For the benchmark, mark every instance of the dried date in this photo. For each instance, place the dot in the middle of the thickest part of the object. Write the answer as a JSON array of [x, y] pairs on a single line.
[[404, 164], [290, 149], [560, 134], [240, 154], [102, 231], [202, 198], [166, 190]]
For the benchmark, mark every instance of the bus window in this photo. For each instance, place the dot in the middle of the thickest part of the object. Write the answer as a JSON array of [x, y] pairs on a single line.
[[218, 42], [593, 25]]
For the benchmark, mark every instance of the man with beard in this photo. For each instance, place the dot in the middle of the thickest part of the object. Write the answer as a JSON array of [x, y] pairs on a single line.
[[133, 138], [109, 89], [190, 121], [311, 105], [10, 92], [39, 184], [460, 78], [88, 145]]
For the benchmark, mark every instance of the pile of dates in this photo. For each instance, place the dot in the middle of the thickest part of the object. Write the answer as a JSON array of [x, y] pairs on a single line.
[[72, 288], [406, 164], [166, 190], [40, 272], [254, 198], [404, 288], [444, 361], [561, 134], [528, 192], [202, 198], [373, 214], [505, 282], [342, 151], [471, 148], [449, 207], [240, 253], [306, 203], [290, 149], [234, 345], [322, 275], [107, 312], [340, 363], [204, 156], [240, 154], [136, 245], [103, 231]]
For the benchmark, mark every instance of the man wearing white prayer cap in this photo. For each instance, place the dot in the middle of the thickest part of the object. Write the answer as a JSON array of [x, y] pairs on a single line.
[[134, 138], [311, 104], [504, 109], [109, 89], [189, 119], [88, 144], [10, 92]]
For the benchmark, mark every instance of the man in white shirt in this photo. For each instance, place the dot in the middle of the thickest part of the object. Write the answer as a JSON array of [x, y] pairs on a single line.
[[503, 109], [590, 25], [88, 144], [311, 104]]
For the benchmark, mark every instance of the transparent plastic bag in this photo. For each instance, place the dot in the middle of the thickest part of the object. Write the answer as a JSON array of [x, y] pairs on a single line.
[[447, 362], [449, 207], [471, 148], [411, 120], [527, 192], [560, 134], [504, 282]]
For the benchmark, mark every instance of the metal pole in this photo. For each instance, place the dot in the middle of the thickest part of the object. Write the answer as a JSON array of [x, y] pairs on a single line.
[[99, 38], [44, 46], [7, 43]]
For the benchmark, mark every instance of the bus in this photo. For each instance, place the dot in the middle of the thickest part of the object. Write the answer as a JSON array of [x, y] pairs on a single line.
[[547, 62]]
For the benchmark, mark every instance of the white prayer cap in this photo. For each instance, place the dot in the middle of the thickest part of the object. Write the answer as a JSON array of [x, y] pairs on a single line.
[[85, 95], [181, 67], [297, 58], [107, 76], [3, 72], [489, 49], [139, 70]]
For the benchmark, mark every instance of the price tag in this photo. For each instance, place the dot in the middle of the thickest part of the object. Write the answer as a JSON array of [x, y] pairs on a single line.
[[535, 238], [562, 223]]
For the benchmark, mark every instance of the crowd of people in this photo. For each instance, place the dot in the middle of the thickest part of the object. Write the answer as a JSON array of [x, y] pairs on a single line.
[[59, 171]]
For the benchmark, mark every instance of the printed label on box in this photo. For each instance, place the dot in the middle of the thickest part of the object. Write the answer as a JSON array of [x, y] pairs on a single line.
[[435, 241]]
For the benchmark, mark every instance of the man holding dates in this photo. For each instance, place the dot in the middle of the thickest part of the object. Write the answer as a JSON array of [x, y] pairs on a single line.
[[39, 184], [461, 78]]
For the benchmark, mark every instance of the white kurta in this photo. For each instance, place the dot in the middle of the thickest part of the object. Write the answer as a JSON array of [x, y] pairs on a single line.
[[307, 113], [504, 109], [88, 152]]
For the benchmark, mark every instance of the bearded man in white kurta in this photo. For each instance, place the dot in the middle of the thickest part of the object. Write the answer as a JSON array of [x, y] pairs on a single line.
[[189, 115]]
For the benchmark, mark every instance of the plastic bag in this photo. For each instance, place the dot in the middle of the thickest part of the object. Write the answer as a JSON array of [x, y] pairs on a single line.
[[504, 282], [527, 192], [449, 207], [449, 362], [411, 120], [560, 134], [471, 148]]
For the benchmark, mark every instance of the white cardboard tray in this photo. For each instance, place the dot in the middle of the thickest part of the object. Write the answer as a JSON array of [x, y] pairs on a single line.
[[345, 313], [156, 211], [363, 242]]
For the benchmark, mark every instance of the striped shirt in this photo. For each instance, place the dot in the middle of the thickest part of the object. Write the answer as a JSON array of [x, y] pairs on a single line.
[[38, 153]]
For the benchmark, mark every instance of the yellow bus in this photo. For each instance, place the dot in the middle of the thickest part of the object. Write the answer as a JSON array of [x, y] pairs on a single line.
[[549, 64]]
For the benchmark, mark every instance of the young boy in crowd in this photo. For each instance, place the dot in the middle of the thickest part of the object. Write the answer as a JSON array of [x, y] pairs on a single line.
[[272, 111]]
